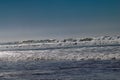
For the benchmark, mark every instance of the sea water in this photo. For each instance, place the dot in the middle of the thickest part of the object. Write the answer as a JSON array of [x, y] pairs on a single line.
[[91, 63]]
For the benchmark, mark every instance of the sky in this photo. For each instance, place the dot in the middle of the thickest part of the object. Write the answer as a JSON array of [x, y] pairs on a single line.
[[42, 19]]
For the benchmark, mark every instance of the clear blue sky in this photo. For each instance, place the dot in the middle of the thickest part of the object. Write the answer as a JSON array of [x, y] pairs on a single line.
[[39, 19]]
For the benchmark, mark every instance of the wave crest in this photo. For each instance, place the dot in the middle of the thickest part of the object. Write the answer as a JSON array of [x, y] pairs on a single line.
[[103, 53]]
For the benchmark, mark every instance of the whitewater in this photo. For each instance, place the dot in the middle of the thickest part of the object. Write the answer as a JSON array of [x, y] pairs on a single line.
[[95, 58]]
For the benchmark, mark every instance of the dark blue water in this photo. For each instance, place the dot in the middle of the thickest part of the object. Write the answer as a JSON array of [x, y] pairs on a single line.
[[60, 70]]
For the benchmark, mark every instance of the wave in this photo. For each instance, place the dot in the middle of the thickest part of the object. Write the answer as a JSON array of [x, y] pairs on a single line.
[[85, 53]]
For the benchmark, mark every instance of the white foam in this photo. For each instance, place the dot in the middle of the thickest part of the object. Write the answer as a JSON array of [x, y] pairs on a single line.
[[104, 40], [11, 53], [103, 53]]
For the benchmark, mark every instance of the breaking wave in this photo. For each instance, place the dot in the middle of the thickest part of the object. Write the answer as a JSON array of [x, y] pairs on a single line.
[[102, 48], [85, 53]]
